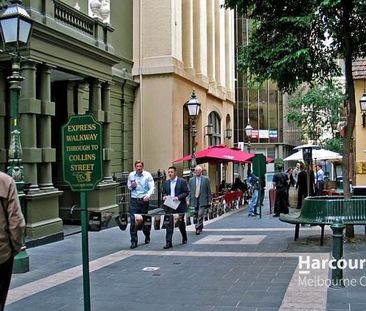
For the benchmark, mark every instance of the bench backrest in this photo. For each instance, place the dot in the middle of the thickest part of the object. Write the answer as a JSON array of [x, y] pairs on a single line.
[[327, 209]]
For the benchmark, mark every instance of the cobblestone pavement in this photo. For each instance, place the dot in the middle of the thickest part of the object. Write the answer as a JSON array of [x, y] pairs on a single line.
[[237, 263]]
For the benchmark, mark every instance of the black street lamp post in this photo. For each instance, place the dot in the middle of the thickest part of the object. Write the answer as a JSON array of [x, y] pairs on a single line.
[[248, 132], [16, 28], [193, 106]]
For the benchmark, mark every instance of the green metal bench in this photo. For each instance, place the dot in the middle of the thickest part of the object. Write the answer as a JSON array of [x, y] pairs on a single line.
[[324, 210]]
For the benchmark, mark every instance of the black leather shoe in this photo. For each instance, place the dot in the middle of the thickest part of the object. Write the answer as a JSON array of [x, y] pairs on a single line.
[[198, 232], [276, 215], [184, 241], [168, 245], [147, 241], [133, 245]]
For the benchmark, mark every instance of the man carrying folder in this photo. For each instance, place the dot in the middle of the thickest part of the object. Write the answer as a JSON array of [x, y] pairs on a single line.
[[175, 192]]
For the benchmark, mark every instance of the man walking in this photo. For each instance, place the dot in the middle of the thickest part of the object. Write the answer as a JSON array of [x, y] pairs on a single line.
[[280, 184], [319, 180], [177, 189], [301, 186], [141, 184], [12, 226], [200, 195], [254, 187]]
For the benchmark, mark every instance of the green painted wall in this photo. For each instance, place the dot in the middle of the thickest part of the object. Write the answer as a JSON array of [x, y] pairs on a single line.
[[121, 17], [69, 51]]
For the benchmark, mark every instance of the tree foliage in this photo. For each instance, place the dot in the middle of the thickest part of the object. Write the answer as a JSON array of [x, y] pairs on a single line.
[[297, 41], [315, 109], [334, 144]]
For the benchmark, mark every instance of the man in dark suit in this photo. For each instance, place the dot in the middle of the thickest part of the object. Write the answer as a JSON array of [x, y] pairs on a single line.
[[279, 181], [200, 195], [177, 188], [301, 186]]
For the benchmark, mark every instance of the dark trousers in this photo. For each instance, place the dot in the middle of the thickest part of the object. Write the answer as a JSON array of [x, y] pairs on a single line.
[[281, 202], [6, 269], [200, 211], [319, 187], [301, 194], [181, 226], [138, 206]]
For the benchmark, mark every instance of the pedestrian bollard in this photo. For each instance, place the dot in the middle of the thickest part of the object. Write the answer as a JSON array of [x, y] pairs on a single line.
[[337, 253]]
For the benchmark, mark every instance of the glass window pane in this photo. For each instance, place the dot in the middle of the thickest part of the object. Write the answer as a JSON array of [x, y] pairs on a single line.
[[24, 31], [9, 29]]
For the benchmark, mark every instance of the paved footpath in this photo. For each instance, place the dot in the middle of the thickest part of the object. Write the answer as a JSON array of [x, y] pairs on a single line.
[[237, 263]]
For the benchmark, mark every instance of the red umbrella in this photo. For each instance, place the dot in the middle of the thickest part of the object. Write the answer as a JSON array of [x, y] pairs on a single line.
[[219, 153]]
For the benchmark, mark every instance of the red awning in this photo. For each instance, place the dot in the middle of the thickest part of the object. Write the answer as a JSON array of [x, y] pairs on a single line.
[[219, 153], [269, 160]]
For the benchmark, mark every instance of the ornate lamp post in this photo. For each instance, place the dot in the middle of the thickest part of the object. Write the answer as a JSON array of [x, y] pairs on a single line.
[[193, 106], [16, 28], [363, 109], [248, 132]]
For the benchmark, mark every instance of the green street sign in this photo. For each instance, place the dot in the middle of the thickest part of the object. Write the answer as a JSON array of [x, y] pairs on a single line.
[[82, 152]]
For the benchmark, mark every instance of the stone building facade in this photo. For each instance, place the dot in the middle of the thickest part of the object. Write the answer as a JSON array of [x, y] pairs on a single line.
[[180, 46]]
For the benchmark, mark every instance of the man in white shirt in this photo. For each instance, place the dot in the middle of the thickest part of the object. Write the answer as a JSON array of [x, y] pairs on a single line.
[[142, 186]]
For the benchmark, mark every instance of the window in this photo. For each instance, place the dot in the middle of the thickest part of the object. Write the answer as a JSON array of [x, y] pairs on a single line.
[[214, 119]]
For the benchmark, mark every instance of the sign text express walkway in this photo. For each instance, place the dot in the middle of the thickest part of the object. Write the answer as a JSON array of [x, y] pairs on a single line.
[[82, 152]]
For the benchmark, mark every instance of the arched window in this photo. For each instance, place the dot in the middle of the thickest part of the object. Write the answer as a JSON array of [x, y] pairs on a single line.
[[215, 138]]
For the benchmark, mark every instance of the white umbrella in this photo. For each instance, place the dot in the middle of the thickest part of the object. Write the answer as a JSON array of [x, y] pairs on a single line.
[[318, 154]]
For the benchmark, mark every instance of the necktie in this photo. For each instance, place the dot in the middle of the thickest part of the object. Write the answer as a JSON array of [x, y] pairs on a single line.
[[198, 187]]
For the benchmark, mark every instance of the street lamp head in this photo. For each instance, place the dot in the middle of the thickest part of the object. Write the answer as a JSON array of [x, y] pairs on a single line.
[[248, 130], [363, 109], [193, 106], [363, 103], [16, 27], [228, 133]]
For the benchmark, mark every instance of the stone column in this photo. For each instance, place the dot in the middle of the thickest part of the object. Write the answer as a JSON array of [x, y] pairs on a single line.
[[187, 36], [107, 151], [200, 37], [70, 99], [48, 110], [219, 45], [229, 74], [95, 100], [29, 108], [211, 40], [82, 106]]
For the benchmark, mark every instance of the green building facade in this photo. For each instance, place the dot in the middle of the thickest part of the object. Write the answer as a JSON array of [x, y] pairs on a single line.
[[75, 64]]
